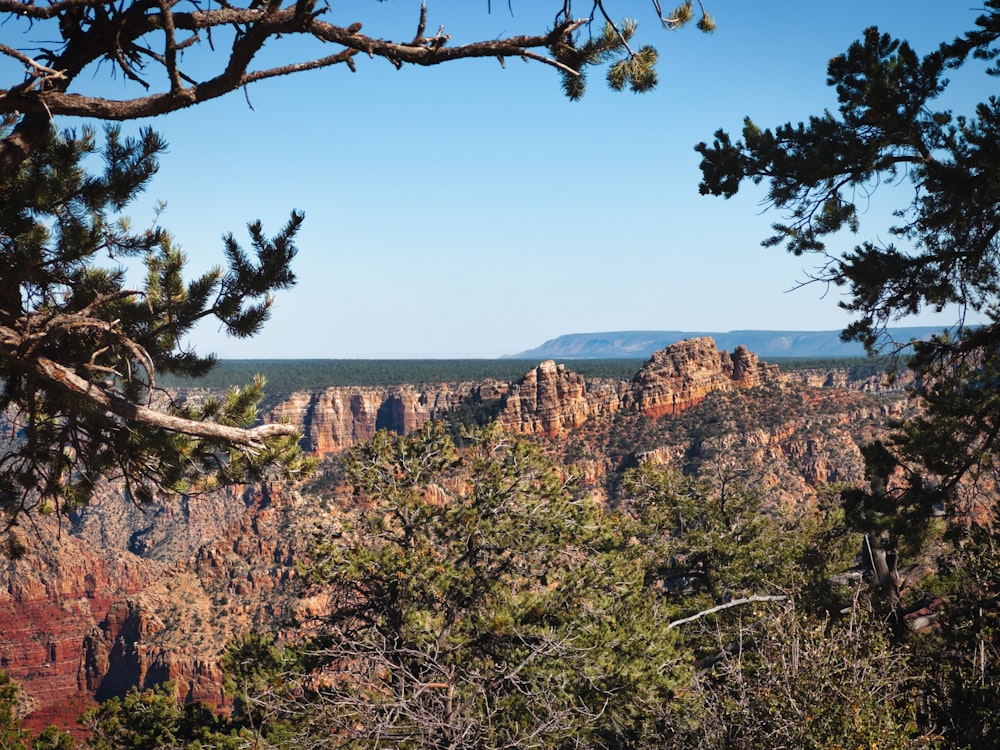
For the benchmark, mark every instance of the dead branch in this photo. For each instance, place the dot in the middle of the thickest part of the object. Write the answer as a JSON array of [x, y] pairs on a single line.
[[65, 377], [727, 605]]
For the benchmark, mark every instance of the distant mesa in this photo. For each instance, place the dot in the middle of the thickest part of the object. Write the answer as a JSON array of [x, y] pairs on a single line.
[[766, 344]]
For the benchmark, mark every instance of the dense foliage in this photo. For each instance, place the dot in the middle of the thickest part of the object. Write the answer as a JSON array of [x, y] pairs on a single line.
[[476, 602], [82, 343], [475, 598]]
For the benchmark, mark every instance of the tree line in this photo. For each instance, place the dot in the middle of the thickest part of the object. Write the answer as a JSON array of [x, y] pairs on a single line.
[[287, 376]]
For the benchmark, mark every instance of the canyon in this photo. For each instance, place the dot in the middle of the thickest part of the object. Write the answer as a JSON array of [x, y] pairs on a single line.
[[548, 401], [119, 597]]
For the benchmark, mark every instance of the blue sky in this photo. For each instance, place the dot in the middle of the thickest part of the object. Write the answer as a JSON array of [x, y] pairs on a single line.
[[472, 211]]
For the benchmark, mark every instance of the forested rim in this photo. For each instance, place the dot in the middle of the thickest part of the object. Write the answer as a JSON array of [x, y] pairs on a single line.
[[289, 375]]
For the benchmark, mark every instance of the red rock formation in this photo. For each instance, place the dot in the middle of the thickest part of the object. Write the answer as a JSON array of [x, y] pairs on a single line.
[[53, 597], [683, 374], [133, 647], [551, 399]]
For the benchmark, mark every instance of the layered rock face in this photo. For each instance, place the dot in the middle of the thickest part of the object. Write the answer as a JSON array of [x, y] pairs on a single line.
[[335, 419], [682, 375], [71, 583], [548, 400]]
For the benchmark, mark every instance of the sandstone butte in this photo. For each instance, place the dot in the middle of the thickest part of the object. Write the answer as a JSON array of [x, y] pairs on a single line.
[[94, 612]]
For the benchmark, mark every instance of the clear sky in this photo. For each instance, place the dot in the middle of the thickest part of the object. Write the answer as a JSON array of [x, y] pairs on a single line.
[[473, 211]]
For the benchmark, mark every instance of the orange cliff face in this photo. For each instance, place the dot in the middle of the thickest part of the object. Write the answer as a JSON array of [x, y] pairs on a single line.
[[549, 400], [682, 375]]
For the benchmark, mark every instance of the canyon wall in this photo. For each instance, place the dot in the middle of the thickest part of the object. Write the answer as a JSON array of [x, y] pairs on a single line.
[[126, 597], [337, 418], [549, 400], [49, 601], [179, 625]]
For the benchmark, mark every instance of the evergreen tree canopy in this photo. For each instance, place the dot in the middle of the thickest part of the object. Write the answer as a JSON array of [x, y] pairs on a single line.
[[933, 496], [473, 601], [145, 42], [81, 343], [945, 247]]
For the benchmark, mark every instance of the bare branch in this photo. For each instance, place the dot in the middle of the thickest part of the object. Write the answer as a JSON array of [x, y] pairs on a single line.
[[93, 30], [259, 27], [66, 378], [727, 605], [40, 71], [253, 437], [529, 55], [170, 51]]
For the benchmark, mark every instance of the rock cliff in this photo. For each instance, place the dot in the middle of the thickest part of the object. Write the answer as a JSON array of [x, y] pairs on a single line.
[[683, 374], [50, 599], [128, 598], [549, 400], [178, 626]]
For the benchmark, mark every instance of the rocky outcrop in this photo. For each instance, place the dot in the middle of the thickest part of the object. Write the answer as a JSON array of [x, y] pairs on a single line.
[[683, 374], [844, 379], [144, 641], [79, 575], [550, 400]]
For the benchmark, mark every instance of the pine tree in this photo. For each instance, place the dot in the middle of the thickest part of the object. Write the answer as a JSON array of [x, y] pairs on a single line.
[[12, 734], [945, 251], [934, 491], [81, 343]]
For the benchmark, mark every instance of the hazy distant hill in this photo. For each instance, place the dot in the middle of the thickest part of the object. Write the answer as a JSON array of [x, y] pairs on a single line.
[[641, 344]]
